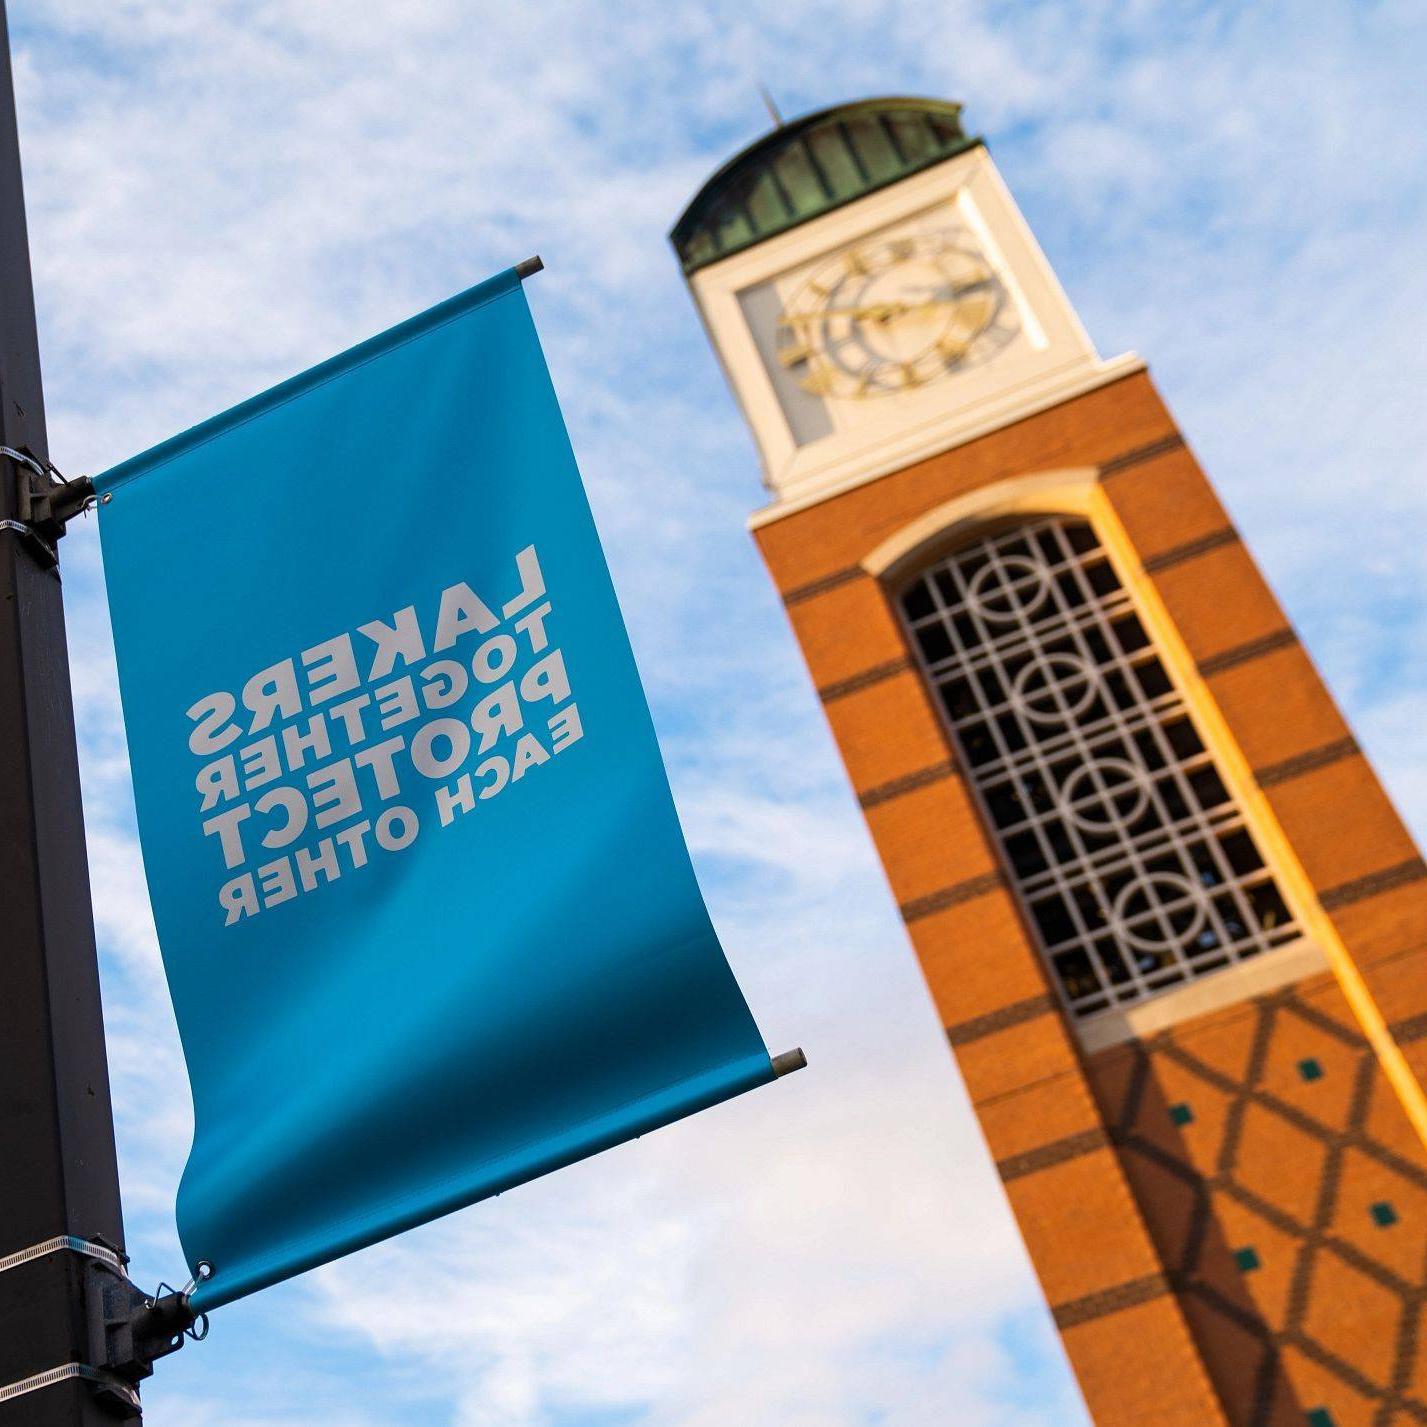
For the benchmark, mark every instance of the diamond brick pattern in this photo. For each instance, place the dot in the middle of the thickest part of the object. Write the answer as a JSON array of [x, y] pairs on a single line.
[[1283, 1259]]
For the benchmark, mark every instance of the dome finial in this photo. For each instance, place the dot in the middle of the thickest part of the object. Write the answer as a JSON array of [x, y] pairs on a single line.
[[772, 108]]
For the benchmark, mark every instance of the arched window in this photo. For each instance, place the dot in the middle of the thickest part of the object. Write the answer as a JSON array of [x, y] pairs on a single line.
[[1132, 861]]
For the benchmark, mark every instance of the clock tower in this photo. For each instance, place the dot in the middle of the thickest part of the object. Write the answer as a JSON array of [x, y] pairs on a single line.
[[1171, 922]]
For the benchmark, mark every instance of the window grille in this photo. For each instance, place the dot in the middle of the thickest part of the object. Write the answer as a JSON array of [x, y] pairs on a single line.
[[1133, 863]]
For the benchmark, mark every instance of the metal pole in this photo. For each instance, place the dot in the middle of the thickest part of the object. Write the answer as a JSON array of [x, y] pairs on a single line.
[[57, 1167]]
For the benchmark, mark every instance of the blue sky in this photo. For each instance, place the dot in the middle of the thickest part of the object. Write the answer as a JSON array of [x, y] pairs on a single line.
[[221, 194]]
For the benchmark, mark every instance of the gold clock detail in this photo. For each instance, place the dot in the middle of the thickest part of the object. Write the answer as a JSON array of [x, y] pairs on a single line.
[[886, 316]]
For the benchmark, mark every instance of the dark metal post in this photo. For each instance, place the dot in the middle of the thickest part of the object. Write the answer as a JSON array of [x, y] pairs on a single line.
[[57, 1166]]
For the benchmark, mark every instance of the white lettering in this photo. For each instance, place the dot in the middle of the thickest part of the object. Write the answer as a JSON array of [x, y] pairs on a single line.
[[493, 659], [354, 839], [380, 759], [532, 582], [396, 703], [460, 797], [230, 839], [566, 728], [462, 611], [423, 754], [310, 863], [546, 680], [214, 732], [331, 669], [497, 713], [294, 806], [529, 753], [217, 780], [498, 770], [296, 744], [443, 683], [532, 626], [272, 691], [260, 762], [275, 882], [396, 829], [334, 790], [401, 639], [351, 715], [238, 898]]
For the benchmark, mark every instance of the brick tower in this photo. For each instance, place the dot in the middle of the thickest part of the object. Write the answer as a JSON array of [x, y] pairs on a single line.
[[1170, 920]]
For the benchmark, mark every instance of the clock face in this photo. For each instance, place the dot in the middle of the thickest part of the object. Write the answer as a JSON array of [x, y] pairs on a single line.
[[891, 314]]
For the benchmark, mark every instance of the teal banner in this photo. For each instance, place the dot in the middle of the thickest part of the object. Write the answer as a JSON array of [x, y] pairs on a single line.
[[426, 912]]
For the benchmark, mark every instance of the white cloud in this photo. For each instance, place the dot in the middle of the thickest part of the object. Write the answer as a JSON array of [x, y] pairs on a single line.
[[813, 1284]]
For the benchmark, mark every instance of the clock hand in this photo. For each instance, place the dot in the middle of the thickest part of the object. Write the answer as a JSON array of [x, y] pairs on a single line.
[[889, 310], [876, 312]]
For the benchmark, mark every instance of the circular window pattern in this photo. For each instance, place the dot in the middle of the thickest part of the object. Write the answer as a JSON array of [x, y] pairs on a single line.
[[1159, 911], [1055, 688], [1105, 795], [1016, 586], [1134, 861]]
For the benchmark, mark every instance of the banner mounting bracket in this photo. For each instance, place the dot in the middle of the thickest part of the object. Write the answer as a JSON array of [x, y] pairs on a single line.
[[46, 502], [128, 1330]]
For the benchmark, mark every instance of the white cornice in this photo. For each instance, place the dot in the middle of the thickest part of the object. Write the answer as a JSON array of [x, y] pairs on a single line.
[[897, 453]]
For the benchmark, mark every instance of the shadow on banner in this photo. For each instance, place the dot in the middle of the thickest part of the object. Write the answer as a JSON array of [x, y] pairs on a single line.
[[427, 915]]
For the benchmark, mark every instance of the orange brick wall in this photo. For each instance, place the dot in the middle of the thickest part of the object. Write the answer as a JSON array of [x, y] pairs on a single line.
[[1138, 1173]]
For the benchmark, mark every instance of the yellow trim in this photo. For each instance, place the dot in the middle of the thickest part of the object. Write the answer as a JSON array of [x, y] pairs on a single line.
[[1278, 851], [1078, 492], [1067, 491]]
